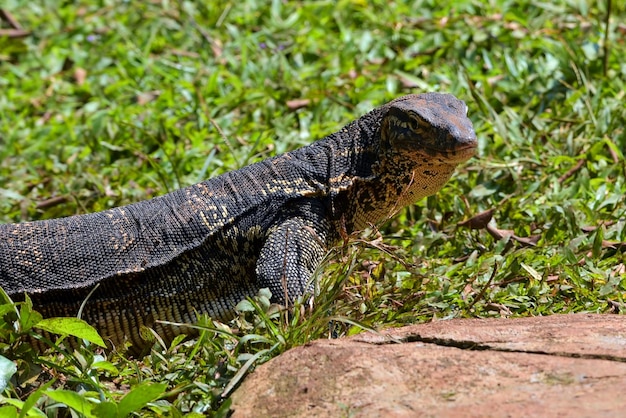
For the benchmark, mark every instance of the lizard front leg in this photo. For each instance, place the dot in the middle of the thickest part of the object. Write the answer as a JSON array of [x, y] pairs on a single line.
[[291, 254]]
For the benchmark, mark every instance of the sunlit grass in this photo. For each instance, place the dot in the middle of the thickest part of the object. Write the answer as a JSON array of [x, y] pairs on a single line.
[[109, 103]]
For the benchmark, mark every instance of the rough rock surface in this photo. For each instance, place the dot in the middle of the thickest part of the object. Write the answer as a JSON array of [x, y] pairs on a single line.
[[561, 365]]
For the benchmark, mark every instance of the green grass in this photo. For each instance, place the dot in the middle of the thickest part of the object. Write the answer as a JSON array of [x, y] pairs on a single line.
[[112, 102]]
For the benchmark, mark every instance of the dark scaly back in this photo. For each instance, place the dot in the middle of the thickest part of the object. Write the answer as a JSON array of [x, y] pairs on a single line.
[[80, 251], [358, 172]]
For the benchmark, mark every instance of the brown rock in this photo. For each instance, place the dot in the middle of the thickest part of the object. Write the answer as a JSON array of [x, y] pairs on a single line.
[[561, 365]]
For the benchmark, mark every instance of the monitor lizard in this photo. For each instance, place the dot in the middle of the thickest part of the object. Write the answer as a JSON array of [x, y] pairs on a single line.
[[204, 248]]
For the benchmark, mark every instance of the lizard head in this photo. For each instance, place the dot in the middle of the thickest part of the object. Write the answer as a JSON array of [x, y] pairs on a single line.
[[431, 125], [422, 138]]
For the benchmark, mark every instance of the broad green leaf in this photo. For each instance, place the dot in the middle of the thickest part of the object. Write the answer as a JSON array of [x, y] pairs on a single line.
[[139, 396], [32, 399], [7, 370], [72, 326], [245, 306], [19, 405], [6, 308], [105, 365], [4, 298], [265, 292], [105, 410], [72, 400], [28, 316], [8, 411]]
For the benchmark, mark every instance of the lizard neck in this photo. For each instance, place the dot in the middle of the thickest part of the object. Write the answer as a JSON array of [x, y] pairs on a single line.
[[379, 198]]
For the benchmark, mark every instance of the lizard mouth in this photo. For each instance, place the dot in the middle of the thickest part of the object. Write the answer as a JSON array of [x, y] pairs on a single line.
[[455, 155], [464, 153]]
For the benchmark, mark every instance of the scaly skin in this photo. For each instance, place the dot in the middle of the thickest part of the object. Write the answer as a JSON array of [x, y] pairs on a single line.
[[204, 248]]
